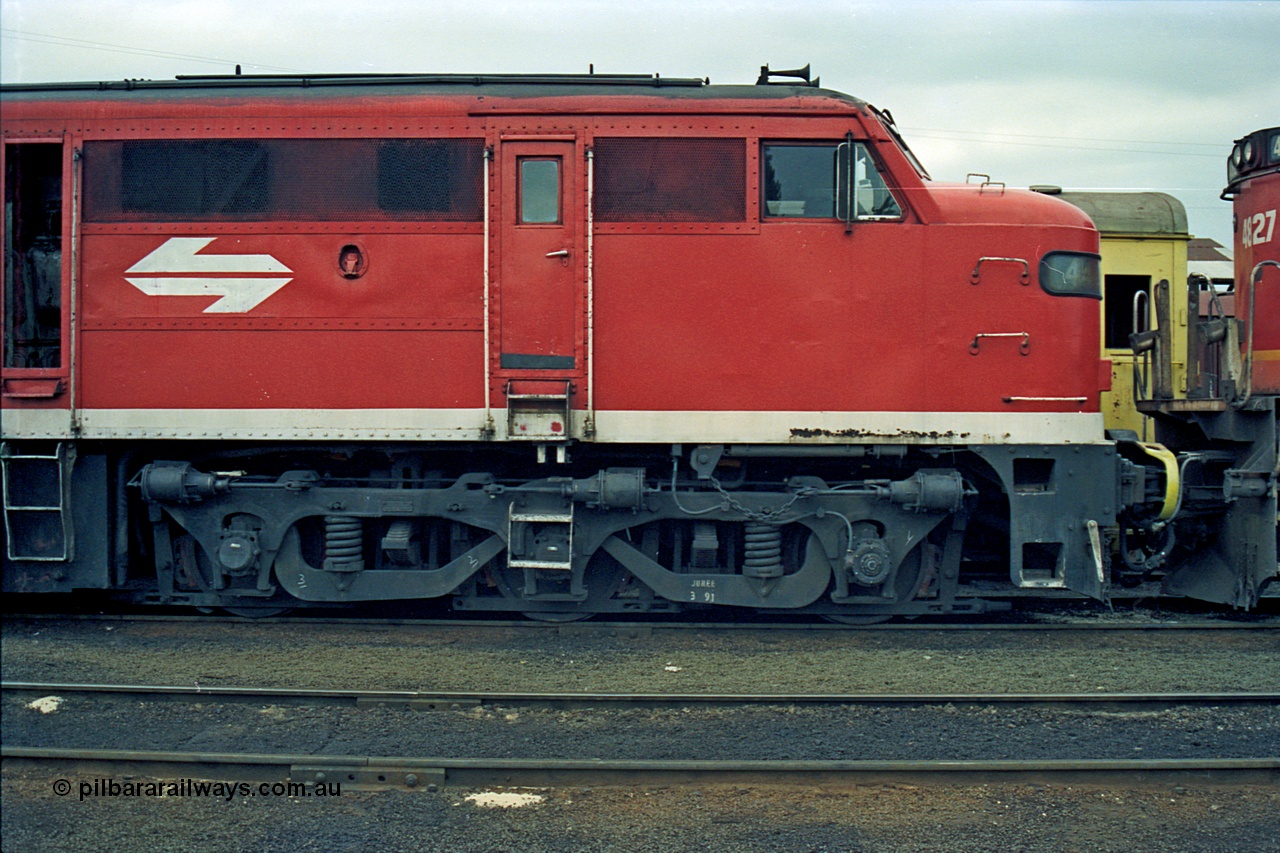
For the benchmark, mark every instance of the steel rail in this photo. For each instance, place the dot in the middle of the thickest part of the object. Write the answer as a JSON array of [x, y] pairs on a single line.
[[447, 700], [638, 628], [407, 772]]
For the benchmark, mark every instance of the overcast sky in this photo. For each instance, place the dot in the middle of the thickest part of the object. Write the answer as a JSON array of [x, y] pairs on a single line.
[[1086, 94]]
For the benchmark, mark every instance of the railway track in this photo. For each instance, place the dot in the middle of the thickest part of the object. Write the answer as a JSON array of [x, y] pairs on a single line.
[[649, 627], [431, 773], [454, 700], [629, 658]]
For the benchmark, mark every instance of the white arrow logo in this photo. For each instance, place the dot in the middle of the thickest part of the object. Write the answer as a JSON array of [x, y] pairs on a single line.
[[179, 255]]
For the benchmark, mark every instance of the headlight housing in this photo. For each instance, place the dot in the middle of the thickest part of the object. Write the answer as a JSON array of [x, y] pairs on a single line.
[[1071, 274]]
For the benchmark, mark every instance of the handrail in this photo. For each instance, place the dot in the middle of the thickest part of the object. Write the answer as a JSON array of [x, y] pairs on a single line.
[[1255, 278], [487, 428], [1141, 342], [975, 277], [589, 427]]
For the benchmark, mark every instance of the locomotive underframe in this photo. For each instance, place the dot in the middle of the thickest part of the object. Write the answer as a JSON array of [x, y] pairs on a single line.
[[1231, 478], [844, 531], [617, 540]]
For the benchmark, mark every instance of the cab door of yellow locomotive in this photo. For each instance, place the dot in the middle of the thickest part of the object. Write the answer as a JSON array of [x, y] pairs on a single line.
[[537, 268]]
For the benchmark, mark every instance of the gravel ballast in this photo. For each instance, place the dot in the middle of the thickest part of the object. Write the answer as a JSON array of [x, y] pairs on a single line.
[[1189, 815]]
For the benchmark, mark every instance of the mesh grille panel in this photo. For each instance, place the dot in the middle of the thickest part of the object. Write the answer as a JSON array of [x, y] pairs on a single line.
[[288, 179], [430, 175], [644, 179]]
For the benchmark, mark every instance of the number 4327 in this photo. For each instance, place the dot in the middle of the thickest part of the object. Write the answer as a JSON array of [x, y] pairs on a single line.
[[1257, 228]]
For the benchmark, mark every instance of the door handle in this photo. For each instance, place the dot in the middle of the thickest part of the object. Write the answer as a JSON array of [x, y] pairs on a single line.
[[561, 253]]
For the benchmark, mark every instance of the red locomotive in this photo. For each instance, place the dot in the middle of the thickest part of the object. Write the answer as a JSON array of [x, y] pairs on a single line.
[[559, 345], [1253, 182], [1224, 428]]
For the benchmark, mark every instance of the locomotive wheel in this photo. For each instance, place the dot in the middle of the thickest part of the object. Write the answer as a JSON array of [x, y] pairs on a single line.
[[556, 616], [193, 565], [848, 619], [906, 583], [603, 578], [247, 612], [257, 612]]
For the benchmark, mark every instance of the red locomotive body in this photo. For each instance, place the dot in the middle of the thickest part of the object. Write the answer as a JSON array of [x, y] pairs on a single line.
[[1253, 182], [560, 345]]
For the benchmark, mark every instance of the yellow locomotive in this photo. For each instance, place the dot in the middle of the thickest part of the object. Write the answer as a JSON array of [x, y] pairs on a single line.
[[1144, 240]]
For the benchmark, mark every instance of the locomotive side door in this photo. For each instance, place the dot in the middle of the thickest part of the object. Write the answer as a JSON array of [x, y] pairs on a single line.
[[536, 266]]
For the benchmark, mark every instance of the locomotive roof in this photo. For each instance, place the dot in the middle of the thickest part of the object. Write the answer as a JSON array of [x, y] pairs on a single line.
[[514, 86], [1147, 213]]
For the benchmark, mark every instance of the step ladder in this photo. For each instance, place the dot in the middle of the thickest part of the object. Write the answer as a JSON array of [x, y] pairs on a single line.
[[539, 539], [37, 518], [540, 546], [539, 410]]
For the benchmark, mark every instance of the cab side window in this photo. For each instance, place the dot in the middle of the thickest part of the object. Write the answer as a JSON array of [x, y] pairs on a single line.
[[820, 180]]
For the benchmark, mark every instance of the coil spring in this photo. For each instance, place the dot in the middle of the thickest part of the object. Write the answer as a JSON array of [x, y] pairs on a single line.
[[343, 543], [762, 550]]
